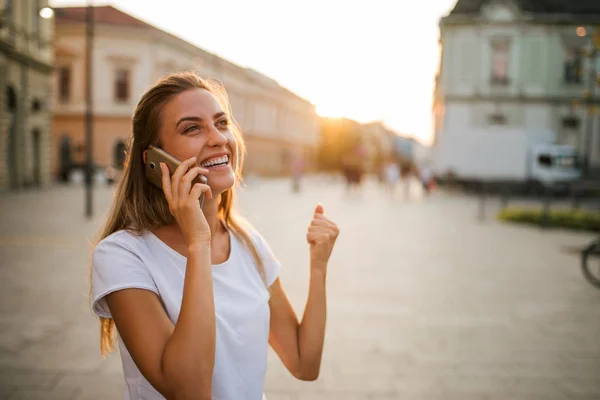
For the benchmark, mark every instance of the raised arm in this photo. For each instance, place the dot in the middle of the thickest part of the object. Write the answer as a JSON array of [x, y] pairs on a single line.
[[300, 344]]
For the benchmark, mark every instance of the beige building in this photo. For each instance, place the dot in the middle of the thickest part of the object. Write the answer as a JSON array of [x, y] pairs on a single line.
[[26, 58], [516, 64], [378, 140], [129, 56]]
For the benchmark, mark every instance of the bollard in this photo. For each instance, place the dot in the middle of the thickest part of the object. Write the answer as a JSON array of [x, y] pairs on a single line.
[[481, 215], [505, 196], [574, 197], [546, 209]]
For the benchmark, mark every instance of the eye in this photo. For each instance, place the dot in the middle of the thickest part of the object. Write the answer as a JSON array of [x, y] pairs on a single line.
[[223, 123], [191, 128]]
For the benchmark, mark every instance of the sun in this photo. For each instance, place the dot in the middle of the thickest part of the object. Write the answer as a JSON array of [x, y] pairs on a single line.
[[331, 110]]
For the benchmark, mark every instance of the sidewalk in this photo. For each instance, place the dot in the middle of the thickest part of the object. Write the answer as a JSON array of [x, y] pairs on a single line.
[[424, 300]]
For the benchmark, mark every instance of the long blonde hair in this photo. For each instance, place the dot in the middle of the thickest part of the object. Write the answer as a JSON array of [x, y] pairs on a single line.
[[139, 206]]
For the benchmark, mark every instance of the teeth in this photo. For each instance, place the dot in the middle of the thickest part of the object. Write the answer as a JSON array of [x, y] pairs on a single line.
[[214, 161]]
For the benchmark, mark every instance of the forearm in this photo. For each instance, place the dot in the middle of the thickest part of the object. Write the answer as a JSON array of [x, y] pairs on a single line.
[[311, 333], [189, 356]]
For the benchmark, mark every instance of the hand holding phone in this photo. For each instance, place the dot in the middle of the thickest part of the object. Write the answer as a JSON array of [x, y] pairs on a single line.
[[184, 189], [156, 155]]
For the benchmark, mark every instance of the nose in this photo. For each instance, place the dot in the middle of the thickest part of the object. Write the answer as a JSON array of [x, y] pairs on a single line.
[[216, 138]]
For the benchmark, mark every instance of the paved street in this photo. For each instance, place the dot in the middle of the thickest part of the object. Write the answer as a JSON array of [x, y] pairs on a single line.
[[425, 300]]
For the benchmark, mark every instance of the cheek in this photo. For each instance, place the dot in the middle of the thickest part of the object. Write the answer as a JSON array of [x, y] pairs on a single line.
[[185, 147], [232, 143]]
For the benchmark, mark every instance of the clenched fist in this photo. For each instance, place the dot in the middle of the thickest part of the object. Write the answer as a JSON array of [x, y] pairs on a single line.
[[321, 237]]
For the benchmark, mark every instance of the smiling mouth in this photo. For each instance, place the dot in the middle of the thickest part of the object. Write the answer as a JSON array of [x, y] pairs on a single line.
[[216, 162]]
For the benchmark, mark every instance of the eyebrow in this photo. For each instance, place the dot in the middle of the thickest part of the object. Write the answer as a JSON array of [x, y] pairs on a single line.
[[198, 119]]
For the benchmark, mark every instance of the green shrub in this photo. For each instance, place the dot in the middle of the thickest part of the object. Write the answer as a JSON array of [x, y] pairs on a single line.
[[569, 219]]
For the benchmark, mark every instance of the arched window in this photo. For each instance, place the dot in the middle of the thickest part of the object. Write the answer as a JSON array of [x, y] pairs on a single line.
[[36, 105], [11, 99], [11, 107]]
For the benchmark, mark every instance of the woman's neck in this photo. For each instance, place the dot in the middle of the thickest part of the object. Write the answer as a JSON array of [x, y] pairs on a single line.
[[211, 211]]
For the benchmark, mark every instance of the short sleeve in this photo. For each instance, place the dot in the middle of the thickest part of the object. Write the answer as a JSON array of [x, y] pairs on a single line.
[[116, 267], [271, 263]]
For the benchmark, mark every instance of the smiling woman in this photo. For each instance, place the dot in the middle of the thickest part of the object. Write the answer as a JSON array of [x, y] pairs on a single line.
[[167, 268]]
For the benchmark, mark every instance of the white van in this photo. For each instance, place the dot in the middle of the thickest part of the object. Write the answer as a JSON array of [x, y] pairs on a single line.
[[553, 163]]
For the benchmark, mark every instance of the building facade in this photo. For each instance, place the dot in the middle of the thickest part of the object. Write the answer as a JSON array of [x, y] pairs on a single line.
[[26, 59], [516, 64], [378, 140], [128, 57], [339, 137]]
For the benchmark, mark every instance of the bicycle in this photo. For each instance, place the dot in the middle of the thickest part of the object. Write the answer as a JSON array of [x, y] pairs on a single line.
[[590, 262]]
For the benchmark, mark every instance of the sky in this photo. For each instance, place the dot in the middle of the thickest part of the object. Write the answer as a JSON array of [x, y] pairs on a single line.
[[364, 60]]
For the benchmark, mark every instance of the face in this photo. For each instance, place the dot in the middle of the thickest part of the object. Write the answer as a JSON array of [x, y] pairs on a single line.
[[193, 124]]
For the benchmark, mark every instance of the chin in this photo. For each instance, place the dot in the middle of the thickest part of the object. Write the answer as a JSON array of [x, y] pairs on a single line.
[[221, 182]]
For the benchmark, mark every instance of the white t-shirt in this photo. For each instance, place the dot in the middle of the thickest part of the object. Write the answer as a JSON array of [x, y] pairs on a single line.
[[124, 260]]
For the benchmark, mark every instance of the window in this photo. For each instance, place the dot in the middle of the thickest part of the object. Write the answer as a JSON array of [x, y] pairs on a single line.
[[7, 19], [500, 62], [122, 85], [35, 23], [36, 105], [545, 160], [265, 115], [8, 7], [570, 134], [11, 100], [571, 123], [271, 117], [573, 66], [64, 84], [237, 106], [567, 161], [497, 119]]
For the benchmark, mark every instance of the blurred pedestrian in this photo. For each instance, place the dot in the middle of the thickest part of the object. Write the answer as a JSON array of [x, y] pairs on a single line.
[[406, 176], [192, 290], [391, 173], [426, 179], [297, 172], [353, 174]]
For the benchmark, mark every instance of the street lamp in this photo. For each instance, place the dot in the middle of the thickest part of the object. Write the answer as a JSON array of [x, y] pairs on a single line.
[[89, 110], [46, 12], [6, 13]]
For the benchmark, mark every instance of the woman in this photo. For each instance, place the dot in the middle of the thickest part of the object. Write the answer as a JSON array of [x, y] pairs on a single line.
[[194, 293]]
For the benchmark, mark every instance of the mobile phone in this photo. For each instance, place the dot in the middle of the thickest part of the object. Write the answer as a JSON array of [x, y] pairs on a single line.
[[154, 157]]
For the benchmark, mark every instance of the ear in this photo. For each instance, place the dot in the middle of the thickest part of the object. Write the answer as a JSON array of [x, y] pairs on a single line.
[[145, 156]]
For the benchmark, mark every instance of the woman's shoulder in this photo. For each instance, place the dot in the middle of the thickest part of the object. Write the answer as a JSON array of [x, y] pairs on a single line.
[[252, 233], [119, 249], [125, 239], [258, 240], [269, 260], [118, 263]]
